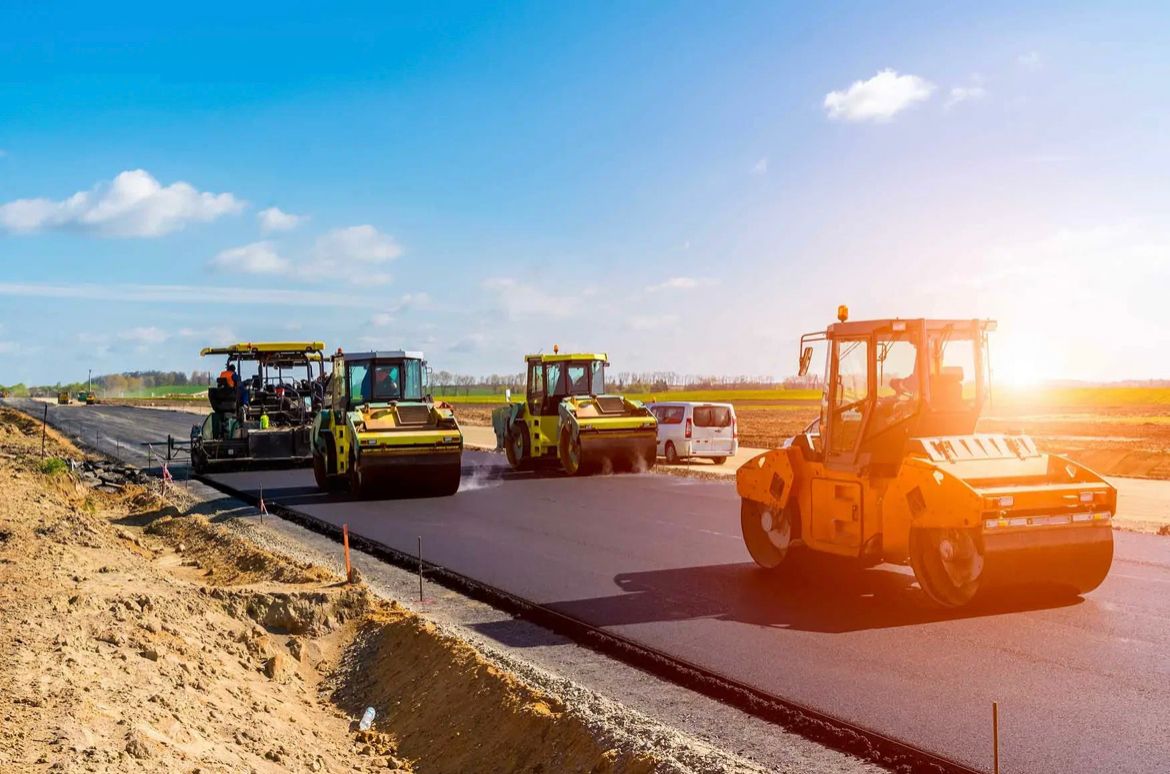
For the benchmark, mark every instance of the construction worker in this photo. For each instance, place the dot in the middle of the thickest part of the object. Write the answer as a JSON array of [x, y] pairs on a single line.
[[228, 374]]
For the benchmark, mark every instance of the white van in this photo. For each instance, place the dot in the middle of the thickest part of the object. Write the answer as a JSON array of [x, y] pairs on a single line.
[[695, 430]]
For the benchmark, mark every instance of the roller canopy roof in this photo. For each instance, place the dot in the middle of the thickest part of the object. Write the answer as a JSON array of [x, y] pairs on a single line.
[[562, 357], [312, 349], [384, 354]]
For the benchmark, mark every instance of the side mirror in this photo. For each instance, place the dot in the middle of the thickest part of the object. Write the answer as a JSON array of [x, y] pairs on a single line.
[[507, 394], [805, 360]]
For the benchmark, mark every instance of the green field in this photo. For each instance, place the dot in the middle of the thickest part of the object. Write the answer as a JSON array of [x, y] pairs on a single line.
[[169, 391], [1083, 397]]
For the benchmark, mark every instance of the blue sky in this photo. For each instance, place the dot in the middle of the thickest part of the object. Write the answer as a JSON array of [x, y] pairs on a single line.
[[687, 186]]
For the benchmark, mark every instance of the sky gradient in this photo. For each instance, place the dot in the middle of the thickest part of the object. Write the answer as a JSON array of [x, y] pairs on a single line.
[[685, 186]]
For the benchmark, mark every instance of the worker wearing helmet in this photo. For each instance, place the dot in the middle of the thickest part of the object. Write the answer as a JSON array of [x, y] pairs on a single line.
[[228, 374]]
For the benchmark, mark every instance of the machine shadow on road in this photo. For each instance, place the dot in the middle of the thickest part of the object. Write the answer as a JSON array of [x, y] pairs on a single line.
[[813, 598]]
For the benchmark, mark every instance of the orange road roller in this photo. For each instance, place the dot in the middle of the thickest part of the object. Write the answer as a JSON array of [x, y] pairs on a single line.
[[893, 471]]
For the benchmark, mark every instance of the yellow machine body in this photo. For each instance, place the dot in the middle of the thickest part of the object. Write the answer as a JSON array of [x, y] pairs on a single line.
[[569, 418], [382, 434]]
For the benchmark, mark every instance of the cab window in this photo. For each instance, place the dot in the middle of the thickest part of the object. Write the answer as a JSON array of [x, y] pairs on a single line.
[[597, 378], [555, 379], [850, 394], [386, 384], [412, 382], [578, 377], [535, 386], [359, 374]]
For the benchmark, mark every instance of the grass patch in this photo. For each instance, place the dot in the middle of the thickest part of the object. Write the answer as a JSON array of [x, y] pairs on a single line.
[[53, 466], [169, 391], [1083, 396]]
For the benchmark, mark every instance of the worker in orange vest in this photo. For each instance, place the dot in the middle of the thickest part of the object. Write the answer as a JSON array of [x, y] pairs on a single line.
[[229, 376]]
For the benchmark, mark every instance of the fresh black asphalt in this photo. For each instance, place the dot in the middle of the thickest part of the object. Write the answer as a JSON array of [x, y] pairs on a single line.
[[1083, 684]]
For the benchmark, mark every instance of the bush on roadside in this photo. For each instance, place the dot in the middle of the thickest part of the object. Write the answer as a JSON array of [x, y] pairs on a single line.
[[54, 465]]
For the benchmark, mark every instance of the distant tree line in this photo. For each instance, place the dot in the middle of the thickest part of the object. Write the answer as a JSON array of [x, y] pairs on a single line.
[[446, 383], [115, 385]]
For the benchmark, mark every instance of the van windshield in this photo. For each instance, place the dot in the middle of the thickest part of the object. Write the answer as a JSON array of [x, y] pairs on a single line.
[[712, 416]]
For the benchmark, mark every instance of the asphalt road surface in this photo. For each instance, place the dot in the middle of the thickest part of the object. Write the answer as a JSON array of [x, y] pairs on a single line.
[[1082, 684]]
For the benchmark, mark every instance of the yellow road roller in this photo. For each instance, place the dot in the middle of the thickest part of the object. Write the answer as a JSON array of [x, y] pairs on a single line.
[[893, 471], [568, 418]]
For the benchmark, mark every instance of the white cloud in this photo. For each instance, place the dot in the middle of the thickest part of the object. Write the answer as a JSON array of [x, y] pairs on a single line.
[[652, 322], [472, 342], [213, 335], [202, 295], [274, 219], [256, 258], [1029, 59], [133, 204], [145, 335], [357, 244], [760, 167], [970, 93], [401, 304], [520, 300], [878, 99], [352, 253], [680, 283], [963, 94]]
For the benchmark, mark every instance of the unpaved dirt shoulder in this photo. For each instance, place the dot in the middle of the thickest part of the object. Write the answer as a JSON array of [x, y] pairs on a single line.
[[119, 657], [147, 638]]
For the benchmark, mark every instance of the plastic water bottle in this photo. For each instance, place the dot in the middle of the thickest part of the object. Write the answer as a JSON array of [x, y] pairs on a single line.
[[367, 719]]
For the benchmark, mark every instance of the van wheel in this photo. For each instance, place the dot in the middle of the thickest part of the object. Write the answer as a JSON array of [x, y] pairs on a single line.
[[719, 460], [671, 454]]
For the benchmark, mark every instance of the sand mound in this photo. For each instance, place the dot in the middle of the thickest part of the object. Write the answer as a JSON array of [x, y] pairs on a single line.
[[227, 559], [447, 706]]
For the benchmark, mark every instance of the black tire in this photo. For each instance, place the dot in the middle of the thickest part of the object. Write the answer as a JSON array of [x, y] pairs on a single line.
[[570, 455], [671, 455], [326, 482], [357, 486], [198, 462], [719, 460], [517, 446], [771, 546]]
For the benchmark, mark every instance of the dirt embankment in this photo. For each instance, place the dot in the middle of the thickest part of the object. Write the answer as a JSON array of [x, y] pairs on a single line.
[[139, 637]]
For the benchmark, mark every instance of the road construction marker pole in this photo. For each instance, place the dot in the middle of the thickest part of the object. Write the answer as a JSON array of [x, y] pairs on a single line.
[[345, 541], [420, 585], [995, 734], [44, 424]]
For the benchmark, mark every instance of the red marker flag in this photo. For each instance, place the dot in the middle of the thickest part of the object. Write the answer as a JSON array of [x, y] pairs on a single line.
[[166, 476]]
